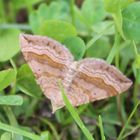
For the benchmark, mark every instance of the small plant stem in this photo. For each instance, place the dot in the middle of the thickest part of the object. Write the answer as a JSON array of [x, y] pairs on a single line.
[[135, 99], [114, 49], [13, 89], [136, 85], [115, 53], [135, 48], [92, 41], [13, 65], [2, 12], [135, 91], [117, 57], [72, 11], [10, 115], [16, 130], [118, 98], [118, 22], [128, 120], [12, 13], [31, 108], [132, 131], [119, 109], [51, 127]]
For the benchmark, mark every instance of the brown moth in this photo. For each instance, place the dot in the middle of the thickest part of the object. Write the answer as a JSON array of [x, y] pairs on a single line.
[[86, 80]]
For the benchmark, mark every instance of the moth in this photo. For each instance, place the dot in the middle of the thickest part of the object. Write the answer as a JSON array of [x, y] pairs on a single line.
[[85, 81]]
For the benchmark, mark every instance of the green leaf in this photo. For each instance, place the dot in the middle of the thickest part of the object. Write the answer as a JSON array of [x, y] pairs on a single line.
[[34, 22], [6, 78], [90, 8], [6, 136], [45, 135], [118, 22], [131, 21], [57, 29], [136, 72], [11, 100], [110, 131], [9, 44], [74, 114], [99, 49], [137, 61], [108, 112], [76, 45], [104, 28], [127, 54], [125, 3], [24, 3], [56, 10], [112, 5], [26, 81]]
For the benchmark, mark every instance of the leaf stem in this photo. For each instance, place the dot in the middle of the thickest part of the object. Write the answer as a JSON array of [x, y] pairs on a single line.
[[92, 41]]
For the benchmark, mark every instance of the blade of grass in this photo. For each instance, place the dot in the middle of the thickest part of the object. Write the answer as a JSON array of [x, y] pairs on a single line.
[[120, 137], [132, 131], [19, 131], [101, 128], [51, 127], [74, 114], [79, 111]]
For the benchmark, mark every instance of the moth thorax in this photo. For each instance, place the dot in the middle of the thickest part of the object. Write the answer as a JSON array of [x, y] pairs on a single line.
[[70, 74]]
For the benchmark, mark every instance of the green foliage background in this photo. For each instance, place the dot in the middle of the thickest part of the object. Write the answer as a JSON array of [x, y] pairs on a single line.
[[106, 29]]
